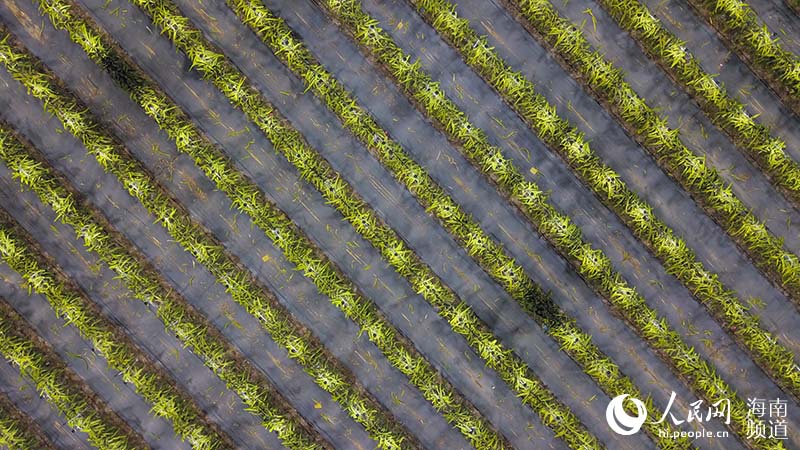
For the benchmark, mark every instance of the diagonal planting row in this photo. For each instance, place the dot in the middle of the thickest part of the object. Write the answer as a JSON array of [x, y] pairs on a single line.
[[18, 430], [592, 264], [487, 252], [120, 255], [339, 193], [698, 177], [62, 387], [756, 140], [701, 180], [678, 259], [739, 26], [107, 61], [298, 341], [274, 222], [191, 328], [151, 382], [318, 172]]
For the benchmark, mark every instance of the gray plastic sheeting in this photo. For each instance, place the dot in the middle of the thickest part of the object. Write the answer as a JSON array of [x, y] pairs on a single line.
[[22, 392]]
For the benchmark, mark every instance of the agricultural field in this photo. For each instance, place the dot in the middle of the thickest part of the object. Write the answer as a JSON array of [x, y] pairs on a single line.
[[400, 224]]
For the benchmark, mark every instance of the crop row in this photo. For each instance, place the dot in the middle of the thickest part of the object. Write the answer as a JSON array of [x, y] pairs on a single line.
[[728, 113], [62, 387], [179, 317], [22, 254], [740, 27], [490, 254], [678, 259], [298, 341], [18, 430], [329, 279], [340, 194], [693, 172], [290, 50], [592, 264], [249, 199], [706, 185]]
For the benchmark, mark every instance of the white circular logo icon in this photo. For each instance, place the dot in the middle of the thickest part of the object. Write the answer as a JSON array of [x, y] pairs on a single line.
[[619, 420]]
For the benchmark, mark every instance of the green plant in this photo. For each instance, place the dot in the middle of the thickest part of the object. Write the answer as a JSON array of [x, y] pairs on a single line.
[[532, 202], [276, 225], [239, 282], [18, 430], [728, 113], [20, 252], [740, 27], [486, 251], [81, 407], [607, 82], [119, 254]]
